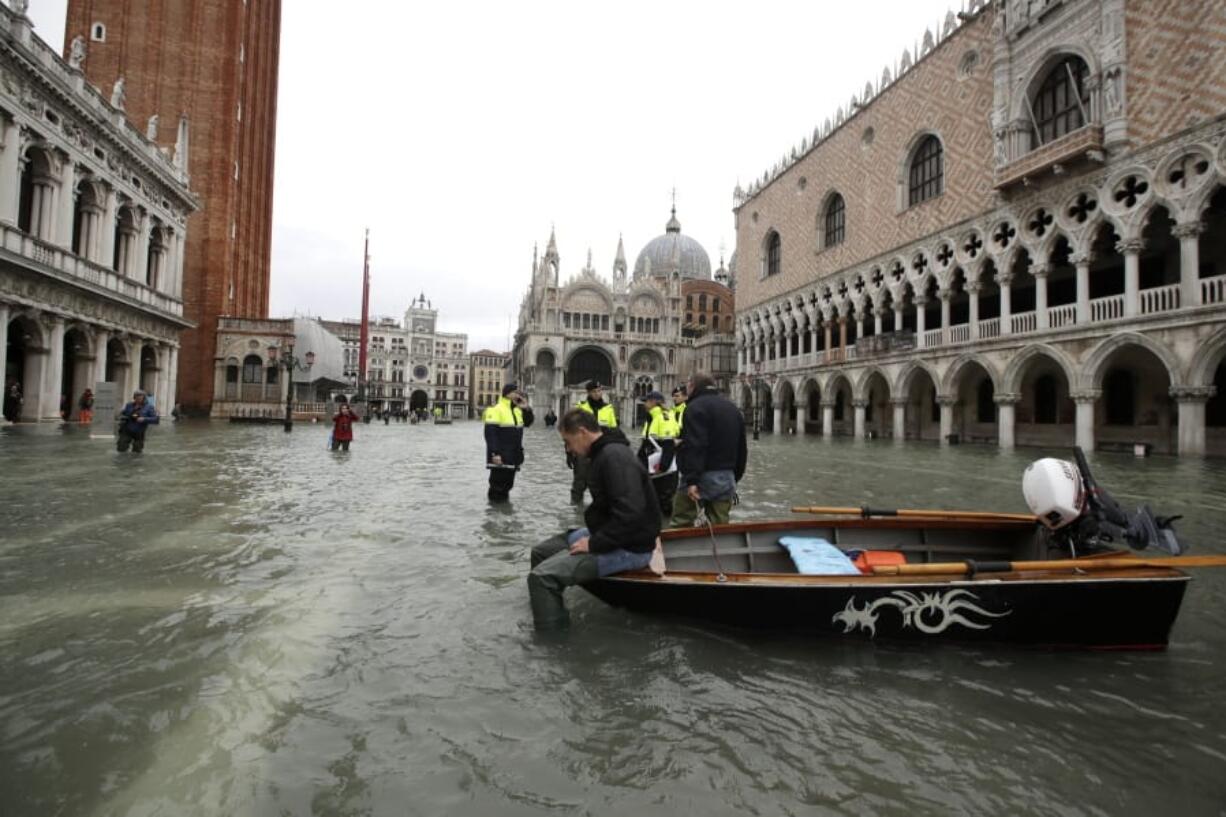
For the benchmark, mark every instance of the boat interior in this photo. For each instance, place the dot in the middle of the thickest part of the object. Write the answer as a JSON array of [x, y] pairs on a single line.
[[753, 547]]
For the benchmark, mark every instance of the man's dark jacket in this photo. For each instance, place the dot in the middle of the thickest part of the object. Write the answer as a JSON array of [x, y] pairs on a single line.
[[712, 437], [624, 512]]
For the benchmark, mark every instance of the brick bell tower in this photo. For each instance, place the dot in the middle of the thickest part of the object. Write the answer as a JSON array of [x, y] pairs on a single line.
[[215, 63]]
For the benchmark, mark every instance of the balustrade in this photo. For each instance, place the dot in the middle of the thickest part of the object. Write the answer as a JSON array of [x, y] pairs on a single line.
[[1159, 299], [1061, 316], [934, 337], [1024, 322], [1108, 308], [961, 333], [1213, 290], [989, 328]]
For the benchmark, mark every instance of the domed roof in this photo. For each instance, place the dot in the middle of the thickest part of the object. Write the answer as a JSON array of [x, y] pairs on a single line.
[[673, 252]]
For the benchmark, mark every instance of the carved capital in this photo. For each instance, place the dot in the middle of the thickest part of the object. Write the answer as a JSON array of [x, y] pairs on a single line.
[[1086, 395], [1040, 270], [860, 403], [1192, 229], [1130, 246], [947, 400], [1004, 278], [1081, 258], [899, 402], [1007, 399], [1192, 394]]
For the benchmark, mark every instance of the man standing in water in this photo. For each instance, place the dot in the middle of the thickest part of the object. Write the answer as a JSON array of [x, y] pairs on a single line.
[[606, 418], [135, 418], [505, 422], [623, 521], [712, 455]]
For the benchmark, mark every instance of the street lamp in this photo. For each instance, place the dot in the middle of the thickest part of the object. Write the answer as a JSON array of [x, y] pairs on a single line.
[[290, 364]]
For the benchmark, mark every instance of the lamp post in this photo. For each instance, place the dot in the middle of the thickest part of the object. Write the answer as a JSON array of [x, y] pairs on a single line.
[[287, 361]]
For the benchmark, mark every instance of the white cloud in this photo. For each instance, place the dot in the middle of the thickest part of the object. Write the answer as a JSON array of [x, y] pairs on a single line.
[[458, 132]]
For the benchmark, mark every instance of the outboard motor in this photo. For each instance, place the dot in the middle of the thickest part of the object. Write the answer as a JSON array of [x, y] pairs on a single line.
[[1083, 517]]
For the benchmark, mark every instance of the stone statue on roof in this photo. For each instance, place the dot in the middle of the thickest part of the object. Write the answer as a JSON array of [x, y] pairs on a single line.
[[76, 53], [118, 97], [151, 130]]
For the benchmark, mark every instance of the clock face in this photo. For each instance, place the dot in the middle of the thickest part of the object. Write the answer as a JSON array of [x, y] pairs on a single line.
[[421, 327], [420, 373]]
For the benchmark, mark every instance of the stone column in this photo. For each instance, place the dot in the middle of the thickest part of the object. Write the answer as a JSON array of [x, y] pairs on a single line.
[[972, 291], [802, 416], [10, 171], [827, 419], [1189, 263], [900, 419], [1192, 400], [140, 261], [826, 349], [162, 378], [67, 205], [172, 386], [842, 331], [1131, 250], [947, 403], [1085, 402], [1082, 262], [777, 428], [4, 323], [878, 314], [1006, 312], [921, 320], [101, 338], [859, 406], [106, 230], [53, 371], [897, 316], [944, 295], [1005, 405], [1040, 271]]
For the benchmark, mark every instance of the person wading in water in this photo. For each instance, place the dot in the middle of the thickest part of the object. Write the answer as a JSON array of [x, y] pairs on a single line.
[[505, 422]]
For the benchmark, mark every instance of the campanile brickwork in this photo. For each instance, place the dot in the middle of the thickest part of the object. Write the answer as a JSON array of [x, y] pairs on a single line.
[[215, 61]]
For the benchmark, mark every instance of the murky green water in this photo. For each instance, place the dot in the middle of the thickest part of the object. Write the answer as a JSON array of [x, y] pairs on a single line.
[[242, 623]]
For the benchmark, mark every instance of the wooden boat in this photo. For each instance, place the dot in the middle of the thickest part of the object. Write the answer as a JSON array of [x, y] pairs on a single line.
[[747, 579]]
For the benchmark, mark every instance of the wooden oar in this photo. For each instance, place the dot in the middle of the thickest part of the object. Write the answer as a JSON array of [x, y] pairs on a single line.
[[1111, 563], [901, 513]]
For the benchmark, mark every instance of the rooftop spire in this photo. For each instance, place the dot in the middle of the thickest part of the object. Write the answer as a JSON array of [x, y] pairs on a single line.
[[673, 226]]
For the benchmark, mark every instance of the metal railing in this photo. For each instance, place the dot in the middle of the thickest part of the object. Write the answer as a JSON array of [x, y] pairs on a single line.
[[1159, 299]]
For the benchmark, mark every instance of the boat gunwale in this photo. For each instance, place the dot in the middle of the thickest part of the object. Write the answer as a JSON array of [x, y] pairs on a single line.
[[799, 580]]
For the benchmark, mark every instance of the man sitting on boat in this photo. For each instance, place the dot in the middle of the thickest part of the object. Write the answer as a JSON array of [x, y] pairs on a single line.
[[623, 521]]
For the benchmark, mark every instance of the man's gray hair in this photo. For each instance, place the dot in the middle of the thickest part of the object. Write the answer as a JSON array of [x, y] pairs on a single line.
[[701, 381]]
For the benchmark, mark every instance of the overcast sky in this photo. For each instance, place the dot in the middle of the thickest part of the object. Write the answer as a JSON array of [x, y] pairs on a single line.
[[459, 132]]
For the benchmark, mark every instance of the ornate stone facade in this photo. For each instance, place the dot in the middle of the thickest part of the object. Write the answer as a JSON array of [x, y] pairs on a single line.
[[93, 219], [1061, 277], [628, 334]]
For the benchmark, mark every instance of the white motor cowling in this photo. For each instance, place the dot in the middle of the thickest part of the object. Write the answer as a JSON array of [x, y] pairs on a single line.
[[1054, 491]]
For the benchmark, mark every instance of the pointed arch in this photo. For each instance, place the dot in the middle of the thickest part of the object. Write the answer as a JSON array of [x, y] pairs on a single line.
[[906, 376], [1011, 380], [860, 392], [957, 369], [1205, 362], [1094, 368]]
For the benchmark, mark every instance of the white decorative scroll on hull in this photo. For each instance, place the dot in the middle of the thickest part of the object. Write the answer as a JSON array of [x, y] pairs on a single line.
[[928, 613]]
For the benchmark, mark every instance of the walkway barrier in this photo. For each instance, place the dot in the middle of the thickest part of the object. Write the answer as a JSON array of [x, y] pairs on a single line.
[[961, 333], [933, 337], [1213, 290], [1159, 299], [1024, 322], [1063, 315], [989, 328], [1108, 308]]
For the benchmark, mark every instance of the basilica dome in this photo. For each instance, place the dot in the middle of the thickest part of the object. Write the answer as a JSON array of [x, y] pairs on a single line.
[[673, 252]]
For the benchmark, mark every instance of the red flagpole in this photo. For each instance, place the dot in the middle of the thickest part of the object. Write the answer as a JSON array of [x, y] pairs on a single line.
[[365, 332]]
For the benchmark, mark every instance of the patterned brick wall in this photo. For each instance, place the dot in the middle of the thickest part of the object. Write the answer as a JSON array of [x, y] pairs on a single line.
[[1176, 65], [933, 96], [205, 58]]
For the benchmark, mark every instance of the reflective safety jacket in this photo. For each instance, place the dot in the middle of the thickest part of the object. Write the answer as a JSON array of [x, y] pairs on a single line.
[[605, 415], [658, 449], [679, 417], [504, 432]]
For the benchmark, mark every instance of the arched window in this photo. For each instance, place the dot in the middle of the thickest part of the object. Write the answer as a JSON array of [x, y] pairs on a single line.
[[252, 366], [774, 254], [1059, 103], [927, 172], [702, 302], [835, 220]]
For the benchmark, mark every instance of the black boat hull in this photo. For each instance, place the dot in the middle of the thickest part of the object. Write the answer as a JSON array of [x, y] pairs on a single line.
[[1132, 611]]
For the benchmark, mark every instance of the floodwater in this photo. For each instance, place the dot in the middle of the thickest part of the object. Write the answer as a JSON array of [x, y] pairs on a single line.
[[240, 622]]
